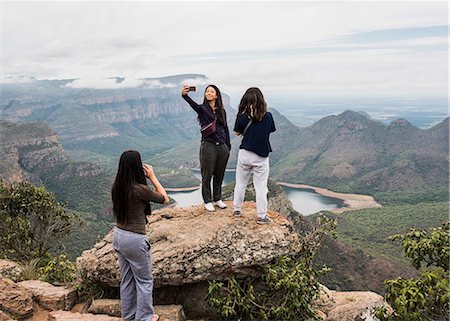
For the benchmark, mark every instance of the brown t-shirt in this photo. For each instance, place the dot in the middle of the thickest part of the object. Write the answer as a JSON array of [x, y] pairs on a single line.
[[139, 197]]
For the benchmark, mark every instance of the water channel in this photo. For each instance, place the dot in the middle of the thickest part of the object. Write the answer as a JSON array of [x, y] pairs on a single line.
[[305, 201]]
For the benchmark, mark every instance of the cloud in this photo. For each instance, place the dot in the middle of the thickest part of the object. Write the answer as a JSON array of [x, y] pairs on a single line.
[[17, 79], [199, 81], [122, 42], [105, 83], [297, 48], [397, 34], [154, 83]]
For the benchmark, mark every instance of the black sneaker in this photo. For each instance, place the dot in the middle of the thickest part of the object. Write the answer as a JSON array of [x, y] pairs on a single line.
[[236, 213], [262, 221]]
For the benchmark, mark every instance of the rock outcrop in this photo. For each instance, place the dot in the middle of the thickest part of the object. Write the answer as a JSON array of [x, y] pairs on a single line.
[[349, 306], [32, 152], [50, 297], [191, 245], [9, 270], [354, 306], [15, 300], [112, 308], [105, 306], [5, 317]]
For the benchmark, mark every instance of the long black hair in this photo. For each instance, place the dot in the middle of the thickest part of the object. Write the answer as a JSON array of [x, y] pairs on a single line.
[[253, 103], [130, 172], [219, 105]]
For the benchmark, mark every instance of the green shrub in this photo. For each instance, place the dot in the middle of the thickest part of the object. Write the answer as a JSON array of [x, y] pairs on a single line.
[[59, 270], [425, 298], [32, 222]]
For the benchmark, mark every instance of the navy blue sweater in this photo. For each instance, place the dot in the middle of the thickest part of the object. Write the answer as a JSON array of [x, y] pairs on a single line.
[[256, 138], [206, 115]]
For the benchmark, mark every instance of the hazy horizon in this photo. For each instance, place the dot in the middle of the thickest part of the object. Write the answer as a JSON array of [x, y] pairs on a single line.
[[288, 49]]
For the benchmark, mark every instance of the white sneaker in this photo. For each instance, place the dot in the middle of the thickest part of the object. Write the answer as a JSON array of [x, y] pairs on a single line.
[[221, 204], [210, 207]]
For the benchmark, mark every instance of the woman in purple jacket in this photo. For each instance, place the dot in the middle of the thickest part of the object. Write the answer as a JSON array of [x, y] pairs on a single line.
[[215, 145]]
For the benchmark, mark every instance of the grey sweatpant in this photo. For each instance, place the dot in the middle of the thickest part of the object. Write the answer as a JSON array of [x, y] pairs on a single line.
[[248, 163], [136, 286]]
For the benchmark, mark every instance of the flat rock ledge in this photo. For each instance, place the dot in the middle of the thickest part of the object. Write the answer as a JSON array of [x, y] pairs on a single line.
[[75, 316], [112, 308], [191, 245], [50, 297]]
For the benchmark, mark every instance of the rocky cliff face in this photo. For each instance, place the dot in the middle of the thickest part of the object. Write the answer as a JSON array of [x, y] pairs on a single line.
[[191, 245], [40, 301], [31, 152]]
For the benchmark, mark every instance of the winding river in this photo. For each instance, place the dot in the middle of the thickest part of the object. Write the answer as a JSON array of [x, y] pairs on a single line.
[[304, 200]]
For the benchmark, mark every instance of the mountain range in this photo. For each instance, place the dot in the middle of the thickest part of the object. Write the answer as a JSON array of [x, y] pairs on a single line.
[[69, 139], [348, 152], [97, 124]]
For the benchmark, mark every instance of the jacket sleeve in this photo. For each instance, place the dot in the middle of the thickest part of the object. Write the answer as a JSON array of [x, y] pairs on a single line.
[[272, 125], [237, 126], [196, 107], [227, 134]]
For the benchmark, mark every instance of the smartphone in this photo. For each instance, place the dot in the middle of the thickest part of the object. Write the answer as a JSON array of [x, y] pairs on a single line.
[[192, 88]]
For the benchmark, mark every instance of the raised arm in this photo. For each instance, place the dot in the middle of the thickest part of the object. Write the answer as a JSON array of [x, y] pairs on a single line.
[[184, 93], [150, 174]]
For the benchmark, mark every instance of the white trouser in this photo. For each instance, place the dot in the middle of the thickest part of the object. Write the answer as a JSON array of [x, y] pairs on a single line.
[[251, 163]]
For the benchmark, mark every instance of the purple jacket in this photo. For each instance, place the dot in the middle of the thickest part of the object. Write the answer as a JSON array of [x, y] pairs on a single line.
[[206, 115]]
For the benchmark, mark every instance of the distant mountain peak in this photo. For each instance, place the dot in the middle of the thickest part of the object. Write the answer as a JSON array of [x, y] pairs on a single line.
[[350, 114], [400, 123], [349, 121]]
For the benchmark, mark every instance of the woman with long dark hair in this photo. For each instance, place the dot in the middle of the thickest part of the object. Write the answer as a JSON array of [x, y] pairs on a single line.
[[254, 124], [215, 145], [131, 196]]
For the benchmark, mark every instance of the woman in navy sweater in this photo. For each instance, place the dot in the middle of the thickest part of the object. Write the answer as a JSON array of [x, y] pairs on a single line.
[[215, 145], [255, 124]]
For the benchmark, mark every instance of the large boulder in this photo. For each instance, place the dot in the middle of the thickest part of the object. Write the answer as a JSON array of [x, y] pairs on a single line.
[[354, 306], [14, 300], [105, 306], [191, 245], [50, 297], [112, 308]]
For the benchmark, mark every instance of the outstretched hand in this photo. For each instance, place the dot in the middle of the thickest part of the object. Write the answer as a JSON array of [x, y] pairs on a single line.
[[184, 90], [148, 171]]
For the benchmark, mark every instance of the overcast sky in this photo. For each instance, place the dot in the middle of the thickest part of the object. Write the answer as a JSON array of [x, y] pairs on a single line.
[[290, 49]]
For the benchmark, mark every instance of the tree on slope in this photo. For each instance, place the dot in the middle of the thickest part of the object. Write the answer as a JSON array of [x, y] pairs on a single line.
[[32, 222], [427, 297]]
